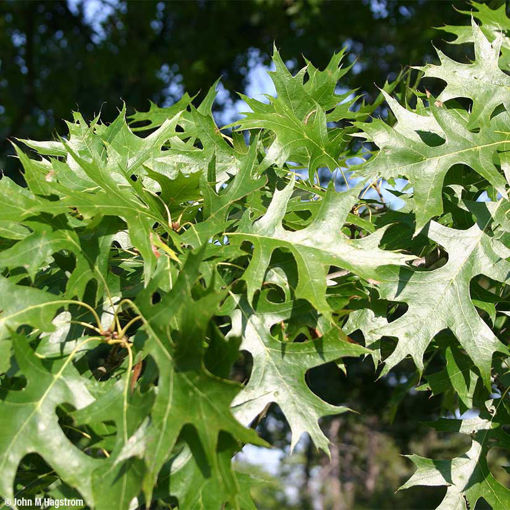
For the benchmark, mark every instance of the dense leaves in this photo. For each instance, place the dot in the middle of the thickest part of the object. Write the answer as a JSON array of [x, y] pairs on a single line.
[[165, 282], [134, 51]]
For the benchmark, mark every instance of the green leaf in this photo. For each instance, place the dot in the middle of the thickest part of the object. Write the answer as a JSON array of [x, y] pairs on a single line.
[[29, 423], [482, 81], [467, 477], [22, 305], [176, 329], [440, 298], [197, 486], [216, 206], [315, 248], [156, 116], [495, 23], [297, 115], [458, 375], [405, 151], [279, 369], [119, 478]]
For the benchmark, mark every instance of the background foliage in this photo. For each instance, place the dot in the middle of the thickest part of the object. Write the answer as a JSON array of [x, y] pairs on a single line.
[[135, 51], [166, 285]]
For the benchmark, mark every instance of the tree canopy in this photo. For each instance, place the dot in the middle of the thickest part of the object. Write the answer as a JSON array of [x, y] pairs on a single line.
[[171, 292], [111, 51]]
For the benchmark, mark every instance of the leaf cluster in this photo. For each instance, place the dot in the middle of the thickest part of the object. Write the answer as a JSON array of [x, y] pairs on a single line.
[[164, 282]]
